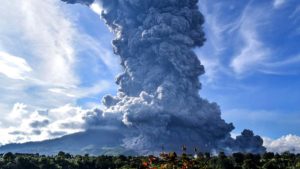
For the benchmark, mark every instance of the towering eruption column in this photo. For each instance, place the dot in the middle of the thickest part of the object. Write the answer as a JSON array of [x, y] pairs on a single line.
[[158, 99]]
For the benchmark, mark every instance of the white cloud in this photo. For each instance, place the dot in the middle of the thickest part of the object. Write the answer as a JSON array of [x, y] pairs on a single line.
[[278, 3], [239, 34], [235, 46], [18, 112], [251, 52], [215, 31], [295, 13], [289, 143], [96, 7], [46, 42], [260, 120], [42, 35], [252, 55], [288, 66], [50, 35], [40, 45], [286, 62], [13, 67], [111, 61], [26, 125], [82, 92], [61, 91]]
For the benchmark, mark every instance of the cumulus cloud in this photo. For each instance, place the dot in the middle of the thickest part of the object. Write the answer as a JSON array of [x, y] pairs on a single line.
[[39, 124], [26, 125], [289, 143]]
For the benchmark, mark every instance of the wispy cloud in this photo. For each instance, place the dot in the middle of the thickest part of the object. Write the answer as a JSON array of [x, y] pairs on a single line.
[[48, 44], [45, 41], [286, 62], [251, 51], [213, 50], [278, 3], [94, 46], [234, 40], [50, 36], [81, 92], [14, 67], [246, 42], [295, 16], [237, 45], [252, 55], [288, 66]]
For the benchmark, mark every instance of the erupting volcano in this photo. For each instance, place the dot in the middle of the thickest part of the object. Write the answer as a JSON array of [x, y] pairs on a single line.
[[158, 101]]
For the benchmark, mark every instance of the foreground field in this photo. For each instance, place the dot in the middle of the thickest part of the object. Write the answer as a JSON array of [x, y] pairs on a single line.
[[164, 161]]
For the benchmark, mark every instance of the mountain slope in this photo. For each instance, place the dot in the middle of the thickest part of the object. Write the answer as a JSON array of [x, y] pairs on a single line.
[[94, 142]]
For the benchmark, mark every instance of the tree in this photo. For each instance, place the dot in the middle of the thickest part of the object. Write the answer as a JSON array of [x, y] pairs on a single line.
[[25, 163], [249, 164], [270, 165], [238, 158], [9, 157]]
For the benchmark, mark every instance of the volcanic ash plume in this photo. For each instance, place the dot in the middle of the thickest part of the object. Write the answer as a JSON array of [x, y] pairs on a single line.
[[158, 100]]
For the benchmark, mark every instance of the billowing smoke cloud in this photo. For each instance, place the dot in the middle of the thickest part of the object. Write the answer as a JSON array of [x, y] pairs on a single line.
[[158, 100]]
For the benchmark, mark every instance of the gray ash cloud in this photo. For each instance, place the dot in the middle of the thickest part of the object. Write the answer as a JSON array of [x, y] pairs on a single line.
[[158, 101]]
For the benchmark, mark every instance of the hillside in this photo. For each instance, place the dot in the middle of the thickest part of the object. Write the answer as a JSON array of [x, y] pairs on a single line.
[[91, 142]]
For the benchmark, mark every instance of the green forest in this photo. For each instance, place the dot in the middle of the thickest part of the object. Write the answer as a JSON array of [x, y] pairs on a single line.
[[163, 161]]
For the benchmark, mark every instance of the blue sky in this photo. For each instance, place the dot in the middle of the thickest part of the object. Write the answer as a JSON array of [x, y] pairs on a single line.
[[253, 63], [255, 72], [56, 62]]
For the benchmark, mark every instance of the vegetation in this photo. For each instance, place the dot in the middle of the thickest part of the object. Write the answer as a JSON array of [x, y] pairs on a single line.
[[164, 161]]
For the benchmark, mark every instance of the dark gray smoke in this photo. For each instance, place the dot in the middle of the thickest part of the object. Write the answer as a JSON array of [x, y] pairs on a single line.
[[158, 100]]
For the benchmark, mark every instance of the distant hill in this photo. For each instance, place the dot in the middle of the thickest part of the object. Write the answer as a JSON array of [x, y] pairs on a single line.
[[94, 142]]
